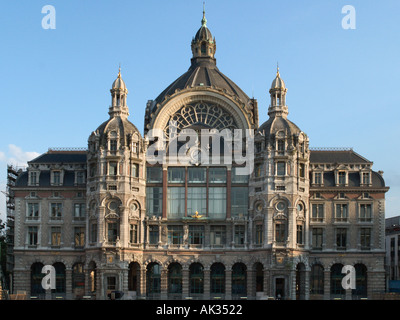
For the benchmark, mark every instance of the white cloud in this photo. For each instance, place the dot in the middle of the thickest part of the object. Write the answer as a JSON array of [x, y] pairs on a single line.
[[19, 157]]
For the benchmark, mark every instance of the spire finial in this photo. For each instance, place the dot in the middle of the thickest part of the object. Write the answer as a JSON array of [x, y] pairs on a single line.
[[204, 20], [277, 69], [119, 71]]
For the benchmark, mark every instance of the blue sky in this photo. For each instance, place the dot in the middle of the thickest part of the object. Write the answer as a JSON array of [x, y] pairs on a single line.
[[342, 84]]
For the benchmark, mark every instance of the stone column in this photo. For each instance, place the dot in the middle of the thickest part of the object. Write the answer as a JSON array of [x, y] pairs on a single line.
[[164, 284], [327, 284], [207, 284], [267, 283], [185, 283], [142, 283], [68, 284], [251, 285], [307, 285], [228, 284]]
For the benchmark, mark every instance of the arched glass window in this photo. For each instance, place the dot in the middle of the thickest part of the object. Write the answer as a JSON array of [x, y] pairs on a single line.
[[361, 281], [60, 278], [133, 276], [196, 278], [336, 280], [153, 279], [217, 278], [239, 279], [36, 278], [317, 279], [175, 278], [78, 277]]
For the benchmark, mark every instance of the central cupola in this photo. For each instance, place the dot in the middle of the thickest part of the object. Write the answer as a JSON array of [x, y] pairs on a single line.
[[203, 44]]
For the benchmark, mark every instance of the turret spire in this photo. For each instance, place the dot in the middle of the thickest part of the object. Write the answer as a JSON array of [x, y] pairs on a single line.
[[204, 20]]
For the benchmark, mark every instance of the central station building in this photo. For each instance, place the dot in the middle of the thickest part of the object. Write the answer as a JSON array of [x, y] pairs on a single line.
[[110, 222]]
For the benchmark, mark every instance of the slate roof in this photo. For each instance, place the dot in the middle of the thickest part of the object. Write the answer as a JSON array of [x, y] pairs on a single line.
[[337, 156], [61, 157]]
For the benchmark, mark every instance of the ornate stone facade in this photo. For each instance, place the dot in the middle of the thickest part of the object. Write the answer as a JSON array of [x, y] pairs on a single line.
[[111, 222]]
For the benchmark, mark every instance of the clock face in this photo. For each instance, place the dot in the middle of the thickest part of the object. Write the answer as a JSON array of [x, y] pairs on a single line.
[[113, 206]]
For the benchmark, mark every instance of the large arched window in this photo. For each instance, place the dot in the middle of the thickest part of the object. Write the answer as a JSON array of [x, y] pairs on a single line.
[[317, 279], [36, 278], [217, 276], [196, 278], [175, 278], [133, 276], [60, 278], [336, 280], [78, 279], [153, 279], [361, 281], [239, 279]]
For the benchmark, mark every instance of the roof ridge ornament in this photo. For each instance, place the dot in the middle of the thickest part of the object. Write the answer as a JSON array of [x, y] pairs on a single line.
[[204, 20]]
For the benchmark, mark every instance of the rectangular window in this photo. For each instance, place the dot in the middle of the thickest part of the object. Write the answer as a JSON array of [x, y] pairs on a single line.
[[342, 178], [176, 175], [341, 238], [33, 211], [239, 235], [365, 238], [365, 178], [135, 170], [239, 201], [80, 177], [112, 232], [239, 178], [79, 211], [341, 213], [113, 145], [111, 283], [217, 175], [196, 175], [196, 200], [33, 236], [153, 234], [365, 212], [175, 235], [281, 145], [217, 203], [93, 232], [280, 168], [34, 178], [154, 174], [217, 235], [280, 233], [317, 238], [57, 177], [302, 170], [196, 235], [56, 236], [259, 234], [112, 168], [56, 211], [133, 233], [257, 170], [176, 202], [317, 212], [299, 234], [154, 201], [79, 237], [318, 177]]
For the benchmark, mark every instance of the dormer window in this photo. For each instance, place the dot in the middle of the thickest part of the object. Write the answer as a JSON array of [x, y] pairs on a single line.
[[366, 178], [341, 178], [56, 177], [317, 178], [280, 145], [33, 178]]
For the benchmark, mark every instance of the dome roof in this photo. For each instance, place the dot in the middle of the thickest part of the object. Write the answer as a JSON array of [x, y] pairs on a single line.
[[119, 83], [276, 124], [203, 73], [121, 126], [278, 83]]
